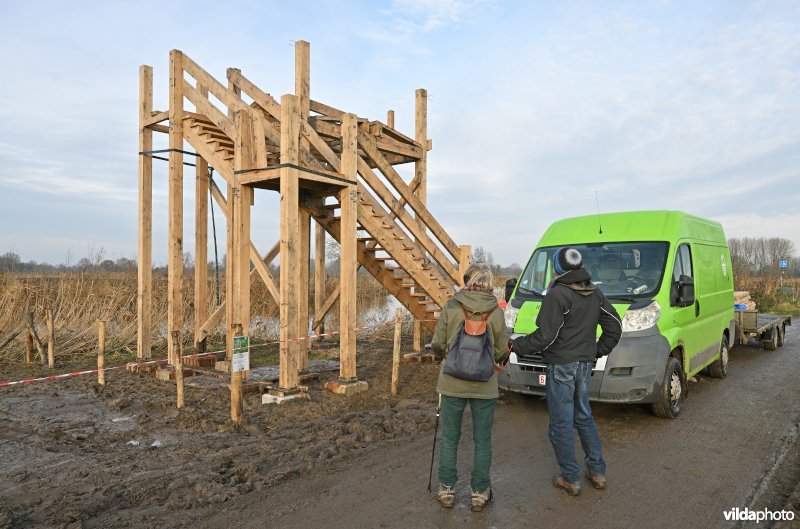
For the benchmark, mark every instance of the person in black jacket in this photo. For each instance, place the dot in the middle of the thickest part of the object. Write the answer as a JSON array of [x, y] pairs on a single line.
[[566, 337]]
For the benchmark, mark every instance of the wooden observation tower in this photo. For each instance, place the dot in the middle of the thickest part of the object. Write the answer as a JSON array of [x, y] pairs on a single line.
[[328, 165]]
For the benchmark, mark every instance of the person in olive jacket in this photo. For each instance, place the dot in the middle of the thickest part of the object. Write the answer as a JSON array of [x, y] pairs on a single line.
[[478, 299]]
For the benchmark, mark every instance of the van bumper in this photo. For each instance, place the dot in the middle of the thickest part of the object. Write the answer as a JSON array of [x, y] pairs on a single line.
[[632, 373]]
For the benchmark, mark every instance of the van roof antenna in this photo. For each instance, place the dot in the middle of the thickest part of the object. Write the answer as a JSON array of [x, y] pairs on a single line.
[[597, 201]]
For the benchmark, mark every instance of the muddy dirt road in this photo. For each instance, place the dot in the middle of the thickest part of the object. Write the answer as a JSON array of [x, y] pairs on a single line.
[[679, 473], [74, 455]]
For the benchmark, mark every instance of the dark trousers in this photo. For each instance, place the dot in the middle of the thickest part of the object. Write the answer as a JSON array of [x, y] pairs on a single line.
[[482, 419]]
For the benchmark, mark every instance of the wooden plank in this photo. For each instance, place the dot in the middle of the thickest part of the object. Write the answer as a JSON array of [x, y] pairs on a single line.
[[175, 200], [348, 258], [369, 147], [201, 193], [289, 234], [227, 97], [205, 107], [144, 293], [321, 108], [320, 277]]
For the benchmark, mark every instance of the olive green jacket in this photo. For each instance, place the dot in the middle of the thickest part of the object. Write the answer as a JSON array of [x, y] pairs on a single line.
[[449, 323]]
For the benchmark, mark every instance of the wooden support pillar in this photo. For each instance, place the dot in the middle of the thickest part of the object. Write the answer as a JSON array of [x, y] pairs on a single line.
[[421, 175], [144, 297], [51, 339], [101, 352], [289, 241], [175, 242], [229, 248], [201, 187], [320, 275], [390, 118], [304, 251], [240, 200], [348, 264]]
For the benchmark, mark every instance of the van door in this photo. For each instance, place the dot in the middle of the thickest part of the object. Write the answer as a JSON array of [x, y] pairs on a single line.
[[684, 318]]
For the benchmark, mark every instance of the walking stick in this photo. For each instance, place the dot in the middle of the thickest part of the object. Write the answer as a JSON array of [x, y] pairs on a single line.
[[433, 450]]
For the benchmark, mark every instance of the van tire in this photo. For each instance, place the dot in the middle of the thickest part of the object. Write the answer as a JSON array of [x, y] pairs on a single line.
[[771, 343], [781, 333], [673, 391], [719, 367]]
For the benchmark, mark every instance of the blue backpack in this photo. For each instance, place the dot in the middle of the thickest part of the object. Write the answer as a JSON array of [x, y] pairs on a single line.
[[470, 356]]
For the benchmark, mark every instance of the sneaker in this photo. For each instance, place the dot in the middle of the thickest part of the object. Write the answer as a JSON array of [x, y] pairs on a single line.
[[598, 482], [446, 496], [480, 499], [572, 489]]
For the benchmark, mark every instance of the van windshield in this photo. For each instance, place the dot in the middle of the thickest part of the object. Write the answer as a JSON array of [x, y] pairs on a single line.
[[622, 270]]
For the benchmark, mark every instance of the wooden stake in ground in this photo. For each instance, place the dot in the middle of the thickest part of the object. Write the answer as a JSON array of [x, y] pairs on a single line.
[[177, 346], [101, 352], [28, 345], [51, 340], [237, 408], [398, 332]]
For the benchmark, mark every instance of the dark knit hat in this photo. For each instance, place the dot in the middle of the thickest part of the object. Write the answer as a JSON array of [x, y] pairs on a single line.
[[566, 259]]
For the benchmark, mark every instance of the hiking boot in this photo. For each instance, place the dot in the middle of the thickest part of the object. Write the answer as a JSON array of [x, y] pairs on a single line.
[[598, 482], [572, 489], [480, 499], [446, 496]]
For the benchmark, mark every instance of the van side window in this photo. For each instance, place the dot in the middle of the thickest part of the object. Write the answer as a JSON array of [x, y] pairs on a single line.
[[683, 267]]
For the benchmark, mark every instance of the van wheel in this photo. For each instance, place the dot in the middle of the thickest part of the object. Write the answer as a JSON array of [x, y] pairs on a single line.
[[719, 367], [781, 333], [770, 343], [673, 391]]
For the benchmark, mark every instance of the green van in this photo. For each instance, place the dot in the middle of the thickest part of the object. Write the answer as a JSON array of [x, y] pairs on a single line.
[[669, 276]]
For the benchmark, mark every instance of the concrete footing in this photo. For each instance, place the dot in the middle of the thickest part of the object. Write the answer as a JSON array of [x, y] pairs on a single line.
[[282, 397], [347, 388]]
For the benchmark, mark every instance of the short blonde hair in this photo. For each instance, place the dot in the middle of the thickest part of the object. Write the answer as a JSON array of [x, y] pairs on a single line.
[[479, 275]]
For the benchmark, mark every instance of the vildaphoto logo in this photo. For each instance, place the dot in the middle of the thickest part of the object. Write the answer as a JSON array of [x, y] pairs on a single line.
[[749, 515]]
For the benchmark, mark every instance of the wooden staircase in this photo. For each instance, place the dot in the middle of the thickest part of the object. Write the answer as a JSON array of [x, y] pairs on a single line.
[[401, 243]]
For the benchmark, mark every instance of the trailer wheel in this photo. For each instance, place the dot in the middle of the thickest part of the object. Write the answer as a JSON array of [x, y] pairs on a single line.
[[770, 343], [719, 367], [781, 333], [673, 391]]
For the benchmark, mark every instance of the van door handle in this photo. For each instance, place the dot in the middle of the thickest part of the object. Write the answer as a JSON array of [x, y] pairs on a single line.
[[697, 308]]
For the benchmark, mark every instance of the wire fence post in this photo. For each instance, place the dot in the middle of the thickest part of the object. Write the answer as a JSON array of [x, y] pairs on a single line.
[[101, 352], [177, 346], [398, 331]]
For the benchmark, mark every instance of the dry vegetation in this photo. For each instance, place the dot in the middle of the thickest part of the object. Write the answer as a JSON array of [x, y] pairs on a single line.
[[80, 299]]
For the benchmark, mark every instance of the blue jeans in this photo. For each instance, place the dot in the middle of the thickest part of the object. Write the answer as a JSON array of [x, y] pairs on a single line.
[[568, 406]]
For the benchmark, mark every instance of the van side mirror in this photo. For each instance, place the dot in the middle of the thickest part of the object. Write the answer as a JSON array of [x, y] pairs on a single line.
[[511, 284], [683, 290]]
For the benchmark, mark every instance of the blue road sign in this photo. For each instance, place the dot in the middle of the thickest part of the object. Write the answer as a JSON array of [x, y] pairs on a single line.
[[783, 264]]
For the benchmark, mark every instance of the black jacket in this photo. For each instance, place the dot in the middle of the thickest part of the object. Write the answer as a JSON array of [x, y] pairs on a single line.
[[568, 321]]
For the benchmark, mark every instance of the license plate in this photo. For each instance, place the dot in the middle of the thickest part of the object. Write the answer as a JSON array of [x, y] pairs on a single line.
[[542, 380]]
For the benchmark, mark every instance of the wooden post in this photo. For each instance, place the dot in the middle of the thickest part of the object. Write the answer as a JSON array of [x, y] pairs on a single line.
[[420, 174], [464, 262], [51, 340], [101, 352], [229, 247], [289, 237], [201, 188], [237, 402], [320, 273], [177, 346], [398, 333], [28, 345], [144, 296], [390, 118], [302, 90], [348, 259], [175, 214]]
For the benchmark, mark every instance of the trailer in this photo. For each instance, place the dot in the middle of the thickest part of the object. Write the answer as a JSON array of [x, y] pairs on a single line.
[[769, 329]]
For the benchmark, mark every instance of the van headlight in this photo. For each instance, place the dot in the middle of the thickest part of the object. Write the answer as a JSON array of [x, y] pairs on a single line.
[[510, 314], [641, 319]]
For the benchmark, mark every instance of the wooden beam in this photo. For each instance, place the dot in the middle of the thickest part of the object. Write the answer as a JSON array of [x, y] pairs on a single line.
[[302, 76], [324, 308], [206, 108], [465, 261], [227, 97], [304, 256], [390, 118], [263, 99], [321, 108], [201, 192], [144, 294], [420, 175], [348, 258], [175, 214], [244, 158], [289, 235], [320, 276], [154, 117]]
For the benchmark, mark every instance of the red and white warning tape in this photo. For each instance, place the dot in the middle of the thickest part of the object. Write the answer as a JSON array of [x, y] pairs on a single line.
[[193, 355]]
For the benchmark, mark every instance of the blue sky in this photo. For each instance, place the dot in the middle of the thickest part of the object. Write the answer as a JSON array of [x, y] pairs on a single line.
[[534, 107]]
